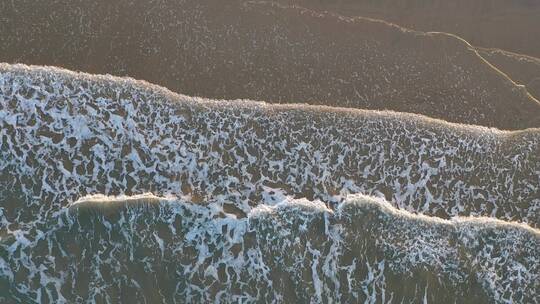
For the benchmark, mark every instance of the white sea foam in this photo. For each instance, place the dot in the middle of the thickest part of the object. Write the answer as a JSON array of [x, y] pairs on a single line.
[[69, 134], [254, 201]]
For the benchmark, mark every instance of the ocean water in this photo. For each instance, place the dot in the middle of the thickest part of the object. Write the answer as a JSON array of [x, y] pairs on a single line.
[[153, 250], [116, 190]]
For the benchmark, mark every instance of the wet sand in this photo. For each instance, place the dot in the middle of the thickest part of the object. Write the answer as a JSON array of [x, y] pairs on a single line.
[[261, 51]]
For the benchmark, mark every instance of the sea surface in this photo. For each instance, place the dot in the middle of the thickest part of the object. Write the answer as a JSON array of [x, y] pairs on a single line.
[[114, 190]]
